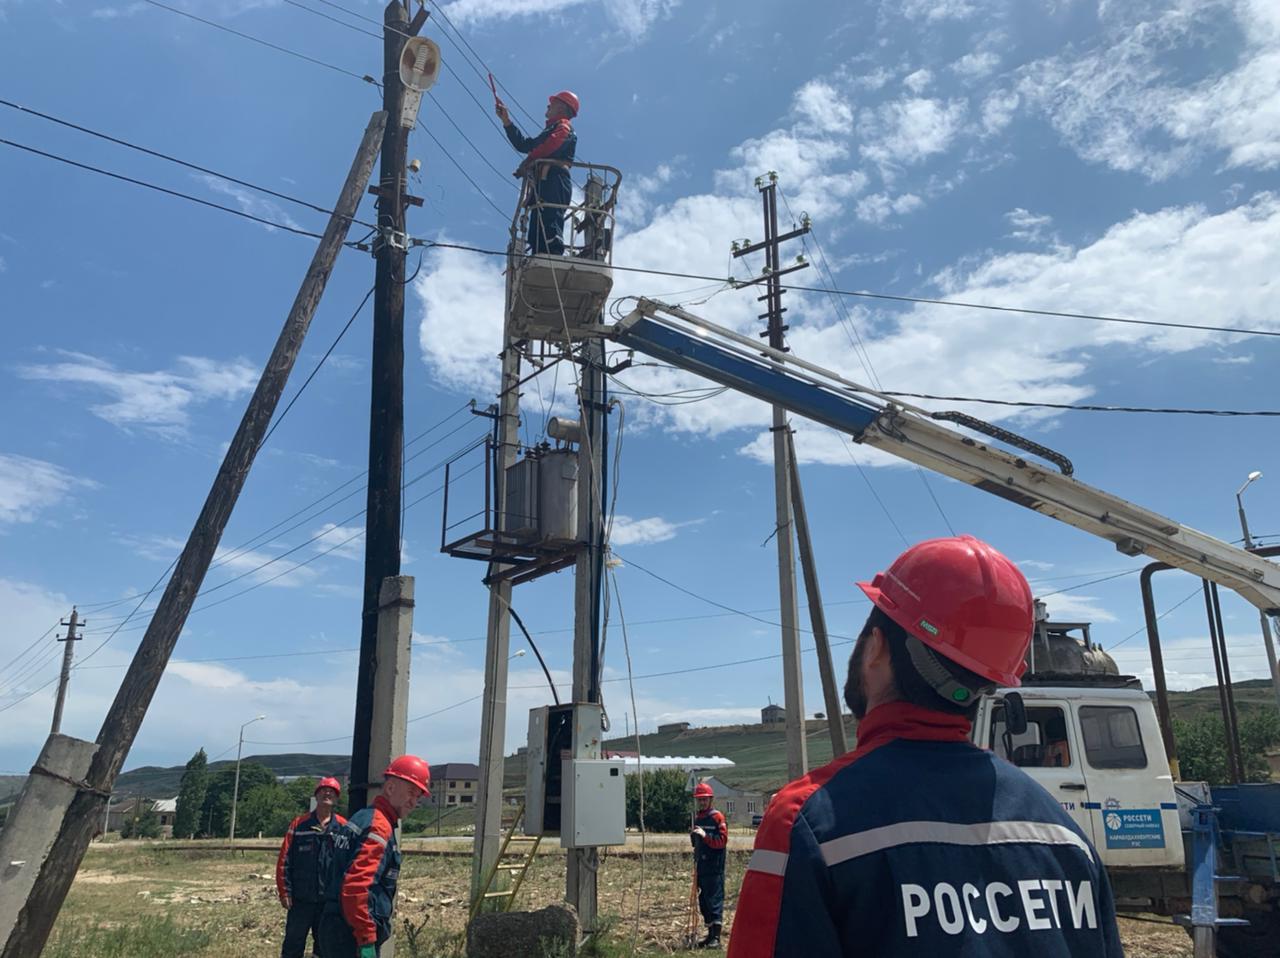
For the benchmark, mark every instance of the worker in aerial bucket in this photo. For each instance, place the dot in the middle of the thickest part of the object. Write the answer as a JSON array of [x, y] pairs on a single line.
[[918, 842], [363, 864], [552, 185], [299, 875], [710, 835]]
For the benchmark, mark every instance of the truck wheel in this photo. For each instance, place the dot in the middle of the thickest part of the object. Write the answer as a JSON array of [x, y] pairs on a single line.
[[1254, 940]]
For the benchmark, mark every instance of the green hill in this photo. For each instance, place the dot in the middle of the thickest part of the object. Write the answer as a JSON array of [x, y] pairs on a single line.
[[155, 782]]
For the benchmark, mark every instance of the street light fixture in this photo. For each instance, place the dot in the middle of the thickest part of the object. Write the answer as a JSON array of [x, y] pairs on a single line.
[[1272, 665], [235, 789], [518, 654]]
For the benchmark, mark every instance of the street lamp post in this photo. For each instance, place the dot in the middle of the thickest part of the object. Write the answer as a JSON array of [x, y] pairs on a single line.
[[235, 789], [1262, 616]]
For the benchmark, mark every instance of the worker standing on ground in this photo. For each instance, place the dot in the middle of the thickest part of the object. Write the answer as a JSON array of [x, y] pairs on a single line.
[[365, 865], [918, 842], [710, 835], [299, 879], [552, 185]]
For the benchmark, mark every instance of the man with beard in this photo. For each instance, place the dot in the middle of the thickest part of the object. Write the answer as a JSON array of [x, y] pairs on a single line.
[[918, 842]]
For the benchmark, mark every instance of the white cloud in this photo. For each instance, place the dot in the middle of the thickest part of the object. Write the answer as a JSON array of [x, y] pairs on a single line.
[[633, 18], [998, 110], [255, 204], [880, 206], [30, 486], [159, 402], [341, 541], [974, 65], [823, 108], [641, 532], [908, 131], [1072, 607], [918, 81], [1123, 104], [937, 9], [1027, 225]]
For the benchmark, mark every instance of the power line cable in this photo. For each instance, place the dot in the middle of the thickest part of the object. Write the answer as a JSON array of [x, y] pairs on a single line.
[[511, 96], [162, 189], [173, 159], [307, 381], [1233, 330], [266, 43]]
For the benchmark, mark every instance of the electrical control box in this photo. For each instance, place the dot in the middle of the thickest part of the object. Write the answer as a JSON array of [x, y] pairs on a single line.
[[558, 734], [594, 803]]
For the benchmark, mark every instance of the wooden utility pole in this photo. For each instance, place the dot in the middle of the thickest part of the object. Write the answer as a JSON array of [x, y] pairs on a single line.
[[382, 539], [817, 615], [792, 671], [70, 638], [57, 866]]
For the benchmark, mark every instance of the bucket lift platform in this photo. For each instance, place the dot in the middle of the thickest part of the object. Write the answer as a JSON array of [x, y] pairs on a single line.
[[561, 298]]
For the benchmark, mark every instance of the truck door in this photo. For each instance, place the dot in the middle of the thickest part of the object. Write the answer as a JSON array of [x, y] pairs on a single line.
[[1049, 752], [1135, 816]]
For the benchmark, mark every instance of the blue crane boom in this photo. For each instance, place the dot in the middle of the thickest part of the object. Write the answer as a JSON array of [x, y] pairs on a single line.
[[688, 342]]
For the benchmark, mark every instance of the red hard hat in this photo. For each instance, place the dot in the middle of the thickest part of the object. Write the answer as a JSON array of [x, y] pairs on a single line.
[[703, 790], [965, 601], [568, 99], [412, 769], [329, 782]]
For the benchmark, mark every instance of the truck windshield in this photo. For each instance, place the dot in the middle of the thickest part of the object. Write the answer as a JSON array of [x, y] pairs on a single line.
[[1111, 737], [1042, 745]]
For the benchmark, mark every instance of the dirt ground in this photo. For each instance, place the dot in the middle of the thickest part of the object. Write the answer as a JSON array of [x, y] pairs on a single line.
[[224, 904]]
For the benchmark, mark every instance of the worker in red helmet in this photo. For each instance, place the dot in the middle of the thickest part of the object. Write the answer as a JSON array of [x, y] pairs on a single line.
[[299, 872], [710, 836], [918, 842], [547, 159], [364, 865]]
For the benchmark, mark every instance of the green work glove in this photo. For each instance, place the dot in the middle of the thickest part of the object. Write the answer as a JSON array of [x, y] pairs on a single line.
[[368, 951]]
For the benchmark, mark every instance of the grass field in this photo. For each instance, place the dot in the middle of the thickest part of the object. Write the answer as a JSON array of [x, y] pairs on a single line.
[[136, 901]]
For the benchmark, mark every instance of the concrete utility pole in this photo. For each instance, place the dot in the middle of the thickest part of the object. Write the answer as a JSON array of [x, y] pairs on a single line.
[[493, 714], [61, 805], [382, 539], [583, 863], [70, 638], [792, 671], [817, 615]]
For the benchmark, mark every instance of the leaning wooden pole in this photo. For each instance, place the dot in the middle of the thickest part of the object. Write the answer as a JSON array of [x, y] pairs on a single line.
[[35, 919], [817, 616]]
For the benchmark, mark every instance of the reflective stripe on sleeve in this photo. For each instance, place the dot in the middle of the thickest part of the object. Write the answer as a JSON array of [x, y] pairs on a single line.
[[771, 863], [848, 847]]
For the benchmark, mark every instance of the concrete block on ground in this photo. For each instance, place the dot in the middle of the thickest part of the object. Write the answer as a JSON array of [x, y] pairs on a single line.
[[34, 821], [552, 932]]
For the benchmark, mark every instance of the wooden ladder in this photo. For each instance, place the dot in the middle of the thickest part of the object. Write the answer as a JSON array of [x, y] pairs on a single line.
[[524, 846]]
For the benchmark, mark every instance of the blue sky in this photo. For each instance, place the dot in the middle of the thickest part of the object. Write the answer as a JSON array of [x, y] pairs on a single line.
[[1054, 154]]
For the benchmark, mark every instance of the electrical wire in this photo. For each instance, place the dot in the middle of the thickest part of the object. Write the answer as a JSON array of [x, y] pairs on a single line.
[[1233, 330], [176, 160], [266, 43], [307, 382], [511, 96], [162, 189]]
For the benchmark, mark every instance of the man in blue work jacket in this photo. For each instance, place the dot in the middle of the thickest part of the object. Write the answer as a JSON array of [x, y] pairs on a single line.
[[918, 842], [552, 185], [299, 878], [710, 836]]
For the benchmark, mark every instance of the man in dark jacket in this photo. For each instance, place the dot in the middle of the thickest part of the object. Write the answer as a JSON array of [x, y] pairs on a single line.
[[919, 842], [364, 866], [299, 881], [710, 835], [552, 185]]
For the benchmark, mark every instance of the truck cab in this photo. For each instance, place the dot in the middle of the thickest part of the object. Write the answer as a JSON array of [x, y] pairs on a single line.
[[1094, 743]]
